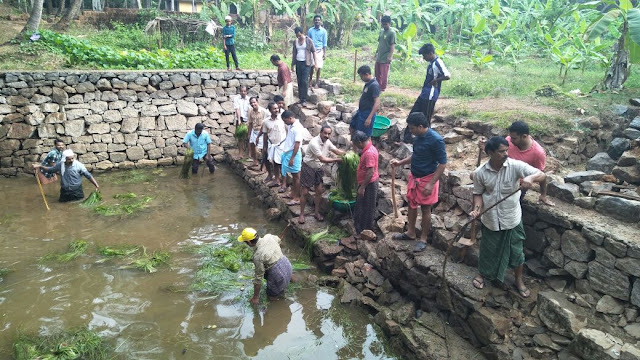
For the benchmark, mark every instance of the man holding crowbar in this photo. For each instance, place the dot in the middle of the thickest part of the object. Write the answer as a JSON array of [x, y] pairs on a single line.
[[502, 231]]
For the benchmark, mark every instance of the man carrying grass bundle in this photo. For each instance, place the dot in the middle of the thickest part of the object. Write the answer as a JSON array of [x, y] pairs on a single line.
[[200, 142], [292, 157], [367, 176], [274, 131], [269, 263], [71, 172], [241, 106], [318, 153], [428, 161]]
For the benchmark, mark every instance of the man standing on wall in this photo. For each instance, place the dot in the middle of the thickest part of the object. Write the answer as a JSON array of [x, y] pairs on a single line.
[[285, 87], [368, 105], [303, 60], [384, 54], [71, 172], [436, 74], [502, 230], [200, 142], [229, 43], [318, 153], [428, 161], [292, 156], [241, 106], [319, 36], [273, 131], [367, 177]]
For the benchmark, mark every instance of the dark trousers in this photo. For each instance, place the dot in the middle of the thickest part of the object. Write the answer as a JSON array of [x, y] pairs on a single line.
[[365, 210], [71, 194], [424, 106], [210, 164], [231, 49], [302, 72]]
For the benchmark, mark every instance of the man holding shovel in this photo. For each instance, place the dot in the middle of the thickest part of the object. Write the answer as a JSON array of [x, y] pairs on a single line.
[[498, 180], [71, 172], [428, 161]]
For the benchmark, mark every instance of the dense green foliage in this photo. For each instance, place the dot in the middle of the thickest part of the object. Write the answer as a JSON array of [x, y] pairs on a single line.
[[93, 199], [76, 248], [81, 52], [225, 267], [185, 172], [347, 182], [128, 205]]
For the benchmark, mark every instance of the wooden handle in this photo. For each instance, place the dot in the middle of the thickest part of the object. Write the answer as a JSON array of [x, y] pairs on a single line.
[[474, 231], [393, 191], [41, 191]]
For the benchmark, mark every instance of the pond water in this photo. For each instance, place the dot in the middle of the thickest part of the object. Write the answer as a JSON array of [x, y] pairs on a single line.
[[133, 310]]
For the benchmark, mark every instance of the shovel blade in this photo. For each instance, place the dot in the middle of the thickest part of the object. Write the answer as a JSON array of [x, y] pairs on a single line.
[[466, 242]]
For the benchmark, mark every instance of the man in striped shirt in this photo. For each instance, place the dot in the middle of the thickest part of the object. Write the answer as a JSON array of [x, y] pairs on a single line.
[[436, 73]]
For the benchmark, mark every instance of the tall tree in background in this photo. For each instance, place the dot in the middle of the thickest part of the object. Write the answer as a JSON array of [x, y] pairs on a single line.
[[34, 18], [69, 15]]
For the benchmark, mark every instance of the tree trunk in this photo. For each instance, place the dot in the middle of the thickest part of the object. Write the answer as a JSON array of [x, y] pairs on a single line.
[[34, 18], [61, 8], [69, 15], [49, 7], [620, 66]]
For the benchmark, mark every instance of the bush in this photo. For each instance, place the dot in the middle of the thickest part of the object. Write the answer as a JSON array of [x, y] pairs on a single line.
[[82, 52]]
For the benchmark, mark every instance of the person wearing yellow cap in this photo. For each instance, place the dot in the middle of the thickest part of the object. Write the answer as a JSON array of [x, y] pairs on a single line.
[[269, 262]]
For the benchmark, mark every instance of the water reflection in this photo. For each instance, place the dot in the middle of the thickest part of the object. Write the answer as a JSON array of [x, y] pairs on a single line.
[[132, 310]]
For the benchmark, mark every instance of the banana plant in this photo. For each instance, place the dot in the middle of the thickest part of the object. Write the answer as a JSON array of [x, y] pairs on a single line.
[[481, 61], [405, 44], [624, 20]]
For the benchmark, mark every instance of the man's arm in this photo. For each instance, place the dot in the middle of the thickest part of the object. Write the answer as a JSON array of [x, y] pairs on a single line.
[[396, 162], [428, 188], [365, 183], [477, 206], [392, 46], [376, 105], [296, 147], [538, 177], [257, 281]]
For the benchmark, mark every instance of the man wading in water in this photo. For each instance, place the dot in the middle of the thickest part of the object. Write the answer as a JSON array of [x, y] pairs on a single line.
[[71, 172], [270, 264]]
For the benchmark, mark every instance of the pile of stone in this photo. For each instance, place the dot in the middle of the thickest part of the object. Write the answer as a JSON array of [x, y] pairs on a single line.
[[118, 119]]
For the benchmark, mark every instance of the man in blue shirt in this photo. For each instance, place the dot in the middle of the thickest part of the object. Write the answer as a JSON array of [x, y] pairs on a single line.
[[318, 35], [428, 161], [229, 43], [200, 142], [436, 73], [368, 104]]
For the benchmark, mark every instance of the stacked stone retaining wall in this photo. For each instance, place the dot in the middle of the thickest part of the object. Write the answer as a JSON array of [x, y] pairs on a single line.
[[119, 119]]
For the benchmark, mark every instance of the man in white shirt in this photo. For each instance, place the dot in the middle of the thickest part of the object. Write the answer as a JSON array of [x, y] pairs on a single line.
[[241, 106], [318, 153], [502, 230], [292, 156], [274, 131]]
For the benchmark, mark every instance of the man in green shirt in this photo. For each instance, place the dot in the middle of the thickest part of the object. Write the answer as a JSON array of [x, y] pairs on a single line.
[[384, 54]]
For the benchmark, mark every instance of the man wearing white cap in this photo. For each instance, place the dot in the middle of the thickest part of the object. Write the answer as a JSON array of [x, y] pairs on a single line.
[[71, 172]]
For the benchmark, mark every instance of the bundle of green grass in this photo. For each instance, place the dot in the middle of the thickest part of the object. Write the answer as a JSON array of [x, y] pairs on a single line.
[[241, 131], [185, 173], [347, 181], [94, 199]]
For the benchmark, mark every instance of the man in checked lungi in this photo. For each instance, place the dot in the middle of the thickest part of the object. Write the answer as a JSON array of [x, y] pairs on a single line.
[[269, 262], [428, 161], [503, 234]]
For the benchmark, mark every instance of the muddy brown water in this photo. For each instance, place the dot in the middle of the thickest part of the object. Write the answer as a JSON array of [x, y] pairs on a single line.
[[132, 310]]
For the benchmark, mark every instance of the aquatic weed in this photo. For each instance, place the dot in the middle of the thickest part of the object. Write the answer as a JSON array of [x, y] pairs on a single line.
[[224, 268], [127, 207], [93, 199], [76, 248], [149, 263], [73, 344], [118, 250], [128, 195], [185, 172]]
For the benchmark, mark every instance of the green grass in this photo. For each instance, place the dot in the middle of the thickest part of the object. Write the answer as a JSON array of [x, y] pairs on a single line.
[[224, 268], [73, 344], [127, 206], [133, 177], [118, 250], [76, 248], [539, 124], [149, 263], [4, 272]]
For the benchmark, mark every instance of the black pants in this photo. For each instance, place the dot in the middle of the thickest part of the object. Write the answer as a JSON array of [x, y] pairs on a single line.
[[231, 49], [71, 194], [210, 164], [365, 210], [421, 105], [302, 72]]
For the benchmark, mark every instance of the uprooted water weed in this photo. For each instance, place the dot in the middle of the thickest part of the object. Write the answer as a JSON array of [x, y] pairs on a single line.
[[118, 250], [149, 263], [73, 344], [127, 206], [330, 234], [4, 271], [76, 248], [133, 177], [224, 268]]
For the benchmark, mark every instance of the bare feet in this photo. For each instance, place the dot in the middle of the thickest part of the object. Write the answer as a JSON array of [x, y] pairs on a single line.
[[267, 179], [543, 199], [478, 282], [301, 219], [318, 217]]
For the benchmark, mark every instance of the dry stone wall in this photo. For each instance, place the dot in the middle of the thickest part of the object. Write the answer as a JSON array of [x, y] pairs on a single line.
[[118, 119]]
